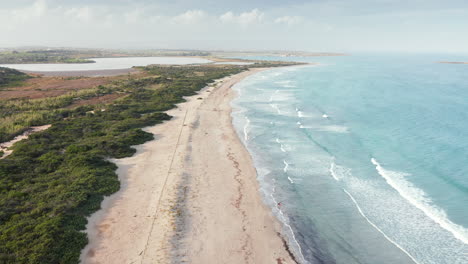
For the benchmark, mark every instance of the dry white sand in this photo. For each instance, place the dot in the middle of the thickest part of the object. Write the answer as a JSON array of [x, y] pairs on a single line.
[[190, 196]]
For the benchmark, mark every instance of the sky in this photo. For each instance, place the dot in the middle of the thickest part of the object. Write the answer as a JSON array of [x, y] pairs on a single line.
[[314, 25]]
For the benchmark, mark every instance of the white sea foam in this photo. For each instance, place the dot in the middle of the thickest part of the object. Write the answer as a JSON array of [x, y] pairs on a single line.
[[277, 73], [376, 227], [332, 170], [420, 200], [275, 106], [281, 145], [286, 166], [338, 172], [334, 128], [290, 180], [239, 91], [282, 148], [285, 82], [330, 128], [273, 95], [282, 97], [246, 127]]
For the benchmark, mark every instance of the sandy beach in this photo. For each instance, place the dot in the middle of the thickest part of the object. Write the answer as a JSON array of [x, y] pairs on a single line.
[[189, 196]]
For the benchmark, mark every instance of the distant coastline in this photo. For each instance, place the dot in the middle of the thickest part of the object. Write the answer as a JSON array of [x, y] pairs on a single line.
[[453, 62]]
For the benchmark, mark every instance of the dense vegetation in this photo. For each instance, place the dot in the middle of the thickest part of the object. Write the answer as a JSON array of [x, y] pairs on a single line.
[[11, 77], [18, 115], [57, 177], [40, 56]]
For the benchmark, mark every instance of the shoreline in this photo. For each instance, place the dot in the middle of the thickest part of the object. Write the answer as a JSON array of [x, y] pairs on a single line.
[[84, 73], [201, 203], [452, 62]]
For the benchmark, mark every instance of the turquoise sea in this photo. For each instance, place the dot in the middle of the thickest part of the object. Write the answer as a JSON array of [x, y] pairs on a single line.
[[363, 158]]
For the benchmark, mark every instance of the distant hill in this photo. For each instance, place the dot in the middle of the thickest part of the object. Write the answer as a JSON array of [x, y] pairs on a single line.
[[9, 77]]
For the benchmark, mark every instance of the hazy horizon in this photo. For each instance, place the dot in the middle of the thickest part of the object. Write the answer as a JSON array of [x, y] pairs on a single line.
[[315, 26]]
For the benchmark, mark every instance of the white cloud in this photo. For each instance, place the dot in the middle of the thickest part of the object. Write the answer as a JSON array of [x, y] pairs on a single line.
[[81, 13], [227, 17], [289, 20], [134, 16], [151, 24], [246, 18], [191, 16], [37, 10]]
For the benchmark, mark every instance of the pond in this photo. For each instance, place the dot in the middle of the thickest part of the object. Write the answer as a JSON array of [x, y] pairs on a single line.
[[106, 64]]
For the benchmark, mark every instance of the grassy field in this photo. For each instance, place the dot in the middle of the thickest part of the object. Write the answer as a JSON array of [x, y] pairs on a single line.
[[57, 177]]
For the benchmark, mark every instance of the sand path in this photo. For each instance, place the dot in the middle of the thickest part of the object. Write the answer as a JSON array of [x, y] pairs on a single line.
[[190, 196], [5, 146]]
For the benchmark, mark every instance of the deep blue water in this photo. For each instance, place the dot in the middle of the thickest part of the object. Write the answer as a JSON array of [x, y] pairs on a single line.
[[364, 158]]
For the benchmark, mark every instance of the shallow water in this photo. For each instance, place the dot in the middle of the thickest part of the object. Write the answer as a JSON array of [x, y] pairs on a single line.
[[363, 157], [107, 64]]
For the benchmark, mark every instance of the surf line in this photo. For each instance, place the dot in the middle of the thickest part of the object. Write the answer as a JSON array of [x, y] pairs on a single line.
[[284, 220], [332, 170], [377, 228], [286, 166], [246, 126], [282, 148], [281, 145], [443, 221]]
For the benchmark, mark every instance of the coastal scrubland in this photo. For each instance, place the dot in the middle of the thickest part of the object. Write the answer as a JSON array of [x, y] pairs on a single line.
[[10, 77], [53, 180], [40, 56], [36, 88]]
